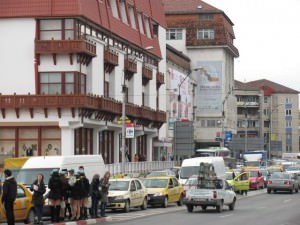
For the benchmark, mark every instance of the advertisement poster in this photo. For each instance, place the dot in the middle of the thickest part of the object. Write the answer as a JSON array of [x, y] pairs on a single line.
[[182, 109], [209, 86]]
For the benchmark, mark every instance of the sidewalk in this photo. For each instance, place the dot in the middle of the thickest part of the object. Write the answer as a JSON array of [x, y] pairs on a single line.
[[84, 222]]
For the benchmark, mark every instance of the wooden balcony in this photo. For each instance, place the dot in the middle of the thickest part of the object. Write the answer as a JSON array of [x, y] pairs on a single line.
[[130, 68], [111, 59], [159, 79], [89, 106], [65, 47], [146, 74]]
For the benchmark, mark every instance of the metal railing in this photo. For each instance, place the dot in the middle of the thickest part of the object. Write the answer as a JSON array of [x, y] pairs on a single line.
[[139, 167]]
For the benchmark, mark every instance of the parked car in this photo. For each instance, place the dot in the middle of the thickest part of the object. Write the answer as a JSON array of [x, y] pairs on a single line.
[[23, 208], [163, 190], [282, 181], [126, 193]]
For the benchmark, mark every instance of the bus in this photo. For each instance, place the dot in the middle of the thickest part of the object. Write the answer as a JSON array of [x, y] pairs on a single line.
[[217, 152]]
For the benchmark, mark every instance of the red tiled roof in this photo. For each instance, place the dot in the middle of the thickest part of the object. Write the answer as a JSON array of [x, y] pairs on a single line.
[[190, 6], [262, 84], [97, 11]]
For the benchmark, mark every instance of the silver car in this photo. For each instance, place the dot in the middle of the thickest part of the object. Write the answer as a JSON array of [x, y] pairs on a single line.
[[281, 181]]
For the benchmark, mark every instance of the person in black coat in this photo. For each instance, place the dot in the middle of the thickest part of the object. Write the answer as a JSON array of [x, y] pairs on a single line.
[[104, 184], [76, 197], [38, 188], [9, 194], [55, 195], [95, 195], [85, 192]]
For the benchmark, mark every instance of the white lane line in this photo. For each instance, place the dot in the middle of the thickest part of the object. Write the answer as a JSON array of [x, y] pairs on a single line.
[[228, 215], [287, 200]]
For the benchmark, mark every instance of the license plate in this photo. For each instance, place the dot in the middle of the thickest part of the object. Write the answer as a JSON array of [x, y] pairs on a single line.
[[199, 199]]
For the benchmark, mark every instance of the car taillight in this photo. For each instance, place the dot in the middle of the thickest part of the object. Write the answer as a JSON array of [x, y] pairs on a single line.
[[214, 194], [287, 182], [269, 182]]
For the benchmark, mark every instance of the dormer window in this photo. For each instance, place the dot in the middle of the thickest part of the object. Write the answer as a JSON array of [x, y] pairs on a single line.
[[132, 16], [123, 11], [114, 8], [141, 25], [204, 34]]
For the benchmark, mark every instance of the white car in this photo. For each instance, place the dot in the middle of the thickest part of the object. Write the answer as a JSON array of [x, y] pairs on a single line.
[[209, 192]]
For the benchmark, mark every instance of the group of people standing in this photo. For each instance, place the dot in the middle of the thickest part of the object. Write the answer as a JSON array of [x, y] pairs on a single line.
[[69, 193]]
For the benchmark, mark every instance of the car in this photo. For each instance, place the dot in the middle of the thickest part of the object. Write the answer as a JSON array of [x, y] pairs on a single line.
[[282, 181], [167, 172], [126, 193], [256, 178], [265, 174], [23, 207], [163, 190], [240, 182]]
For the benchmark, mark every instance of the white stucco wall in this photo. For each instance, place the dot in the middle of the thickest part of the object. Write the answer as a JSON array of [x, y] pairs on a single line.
[[17, 56]]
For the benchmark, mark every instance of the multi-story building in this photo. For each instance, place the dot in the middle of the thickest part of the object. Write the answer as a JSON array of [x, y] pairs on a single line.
[[267, 118], [66, 66], [205, 34]]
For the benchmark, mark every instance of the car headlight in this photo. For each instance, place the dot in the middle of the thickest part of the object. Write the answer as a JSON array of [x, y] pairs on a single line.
[[157, 194]]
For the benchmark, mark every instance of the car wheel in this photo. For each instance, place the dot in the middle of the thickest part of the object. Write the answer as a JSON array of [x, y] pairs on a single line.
[[180, 202], [204, 207], [292, 191], [145, 204], [30, 217], [127, 206], [269, 191], [190, 208], [220, 207], [165, 204], [232, 205]]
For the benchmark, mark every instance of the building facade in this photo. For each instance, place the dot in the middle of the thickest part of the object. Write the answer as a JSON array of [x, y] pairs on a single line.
[[65, 68], [205, 34], [267, 118]]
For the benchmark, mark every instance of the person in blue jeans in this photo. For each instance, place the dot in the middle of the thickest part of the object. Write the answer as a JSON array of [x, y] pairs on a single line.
[[104, 184], [38, 187]]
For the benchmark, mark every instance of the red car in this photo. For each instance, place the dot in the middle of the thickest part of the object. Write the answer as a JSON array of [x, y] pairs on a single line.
[[256, 180]]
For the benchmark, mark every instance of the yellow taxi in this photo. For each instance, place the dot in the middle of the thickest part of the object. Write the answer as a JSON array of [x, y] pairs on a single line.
[[163, 190], [23, 208], [126, 193]]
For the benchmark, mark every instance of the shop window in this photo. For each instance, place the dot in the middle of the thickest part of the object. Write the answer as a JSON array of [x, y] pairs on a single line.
[[28, 142], [51, 141]]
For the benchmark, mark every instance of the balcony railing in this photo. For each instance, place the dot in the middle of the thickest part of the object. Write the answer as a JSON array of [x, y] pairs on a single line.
[[111, 59], [65, 47], [146, 74], [89, 102], [159, 78], [130, 65]]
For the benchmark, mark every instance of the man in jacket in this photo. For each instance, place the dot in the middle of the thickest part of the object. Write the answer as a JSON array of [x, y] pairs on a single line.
[[9, 194]]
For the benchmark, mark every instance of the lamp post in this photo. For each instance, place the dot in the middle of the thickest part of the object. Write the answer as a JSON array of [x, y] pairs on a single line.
[[123, 143]]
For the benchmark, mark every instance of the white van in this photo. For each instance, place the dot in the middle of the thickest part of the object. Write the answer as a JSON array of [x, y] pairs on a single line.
[[190, 167], [45, 164]]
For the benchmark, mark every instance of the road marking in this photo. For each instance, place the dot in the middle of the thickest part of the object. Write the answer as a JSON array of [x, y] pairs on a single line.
[[228, 215], [287, 200]]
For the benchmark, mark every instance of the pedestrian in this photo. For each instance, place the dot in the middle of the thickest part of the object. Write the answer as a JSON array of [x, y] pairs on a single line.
[[38, 188], [136, 158], [85, 191], [64, 194], [76, 198], [55, 195], [95, 195], [71, 182], [9, 194], [104, 184]]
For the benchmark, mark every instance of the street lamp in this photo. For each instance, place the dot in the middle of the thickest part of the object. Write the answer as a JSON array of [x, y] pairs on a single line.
[[123, 148]]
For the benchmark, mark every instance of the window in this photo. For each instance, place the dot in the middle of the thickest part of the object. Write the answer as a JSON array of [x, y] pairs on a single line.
[[211, 123], [141, 25], [138, 185], [123, 11], [174, 34], [62, 83], [288, 123], [106, 89], [288, 100], [63, 29], [266, 99], [155, 28], [266, 112], [206, 34], [132, 17], [288, 148], [288, 112], [147, 26], [206, 16], [114, 8], [132, 186]]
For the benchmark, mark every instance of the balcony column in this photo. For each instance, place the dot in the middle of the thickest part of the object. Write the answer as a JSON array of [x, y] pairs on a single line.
[[67, 141], [150, 146], [117, 147]]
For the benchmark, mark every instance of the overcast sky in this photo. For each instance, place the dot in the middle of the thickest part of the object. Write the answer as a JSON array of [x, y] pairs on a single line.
[[268, 38]]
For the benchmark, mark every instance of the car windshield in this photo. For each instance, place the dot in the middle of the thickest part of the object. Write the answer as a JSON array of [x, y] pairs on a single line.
[[253, 174], [155, 183], [27, 176], [188, 171], [229, 176], [119, 185], [204, 183]]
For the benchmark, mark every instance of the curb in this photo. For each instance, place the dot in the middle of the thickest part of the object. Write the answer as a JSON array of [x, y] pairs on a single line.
[[85, 222]]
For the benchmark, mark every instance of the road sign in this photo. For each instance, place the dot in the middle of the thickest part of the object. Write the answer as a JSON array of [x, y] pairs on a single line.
[[129, 130]]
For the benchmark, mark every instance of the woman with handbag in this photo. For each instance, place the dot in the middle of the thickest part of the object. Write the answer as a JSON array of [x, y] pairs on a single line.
[[38, 187], [104, 183], [95, 195]]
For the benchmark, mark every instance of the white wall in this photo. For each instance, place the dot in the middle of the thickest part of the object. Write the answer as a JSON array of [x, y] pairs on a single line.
[[180, 45], [17, 56]]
